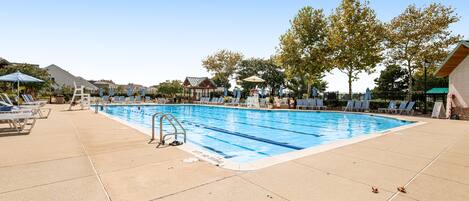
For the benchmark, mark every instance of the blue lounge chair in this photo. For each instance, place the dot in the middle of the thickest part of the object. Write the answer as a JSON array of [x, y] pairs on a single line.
[[320, 104], [311, 103], [357, 105], [401, 107], [392, 105], [409, 109]]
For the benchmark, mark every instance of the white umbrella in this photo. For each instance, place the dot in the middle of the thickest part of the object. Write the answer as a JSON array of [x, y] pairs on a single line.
[[254, 79], [19, 77]]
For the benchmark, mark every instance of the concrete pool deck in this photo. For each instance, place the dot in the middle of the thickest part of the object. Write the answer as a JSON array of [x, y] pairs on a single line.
[[83, 156]]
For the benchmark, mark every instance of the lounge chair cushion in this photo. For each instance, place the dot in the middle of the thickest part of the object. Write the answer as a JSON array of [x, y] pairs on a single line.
[[6, 108]]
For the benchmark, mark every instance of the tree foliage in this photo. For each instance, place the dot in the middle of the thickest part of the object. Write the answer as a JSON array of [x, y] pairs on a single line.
[[303, 50], [170, 88], [223, 65], [263, 68], [420, 34], [391, 82], [355, 36]]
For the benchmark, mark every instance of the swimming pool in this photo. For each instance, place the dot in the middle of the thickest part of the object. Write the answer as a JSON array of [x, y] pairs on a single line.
[[243, 135]]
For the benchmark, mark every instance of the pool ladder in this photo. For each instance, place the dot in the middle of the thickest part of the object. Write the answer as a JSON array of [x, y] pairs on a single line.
[[173, 121]]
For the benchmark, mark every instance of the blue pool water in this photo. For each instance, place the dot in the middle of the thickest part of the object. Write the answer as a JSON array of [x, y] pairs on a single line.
[[242, 135]]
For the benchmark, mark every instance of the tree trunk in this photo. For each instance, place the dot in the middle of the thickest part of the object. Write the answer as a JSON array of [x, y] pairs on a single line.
[[350, 84], [411, 82], [309, 89]]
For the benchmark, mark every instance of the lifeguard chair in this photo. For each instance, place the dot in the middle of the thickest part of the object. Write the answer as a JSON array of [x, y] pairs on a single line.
[[80, 97]]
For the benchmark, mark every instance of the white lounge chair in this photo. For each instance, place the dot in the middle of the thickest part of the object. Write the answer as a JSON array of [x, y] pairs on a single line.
[[28, 98], [19, 121], [38, 110]]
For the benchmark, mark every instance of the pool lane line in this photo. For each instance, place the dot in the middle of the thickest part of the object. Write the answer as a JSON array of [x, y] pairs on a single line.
[[293, 118], [262, 126], [214, 112], [305, 119], [282, 144], [297, 119], [221, 153], [237, 145]]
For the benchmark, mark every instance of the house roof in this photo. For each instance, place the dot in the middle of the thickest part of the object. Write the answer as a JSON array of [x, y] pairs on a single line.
[[438, 91], [454, 59], [197, 81], [63, 77]]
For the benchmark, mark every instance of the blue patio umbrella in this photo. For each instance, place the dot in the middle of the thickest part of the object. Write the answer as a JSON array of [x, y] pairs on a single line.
[[111, 92], [101, 92], [142, 91], [263, 92], [225, 91], [314, 92], [19, 77], [368, 94], [130, 91], [238, 93]]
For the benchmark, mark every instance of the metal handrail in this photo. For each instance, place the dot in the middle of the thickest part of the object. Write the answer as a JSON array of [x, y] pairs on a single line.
[[153, 117], [170, 119]]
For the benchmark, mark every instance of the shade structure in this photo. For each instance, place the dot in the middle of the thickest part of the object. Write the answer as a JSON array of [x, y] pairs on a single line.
[[314, 92], [254, 79], [225, 91], [19, 77], [142, 91]]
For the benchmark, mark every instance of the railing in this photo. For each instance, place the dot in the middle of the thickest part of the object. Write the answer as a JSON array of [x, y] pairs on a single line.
[[173, 121]]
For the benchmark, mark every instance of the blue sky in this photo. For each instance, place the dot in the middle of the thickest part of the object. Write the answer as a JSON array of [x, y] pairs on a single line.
[[147, 42]]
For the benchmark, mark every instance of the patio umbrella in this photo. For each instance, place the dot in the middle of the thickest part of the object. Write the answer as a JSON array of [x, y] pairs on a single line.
[[142, 91], [130, 91], [111, 92], [315, 92], [225, 91], [368, 94], [254, 79], [19, 77], [101, 92], [263, 92]]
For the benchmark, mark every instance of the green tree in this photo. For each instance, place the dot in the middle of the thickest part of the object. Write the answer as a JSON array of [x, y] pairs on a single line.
[[263, 68], [303, 51], [170, 87], [391, 83], [222, 64], [299, 87], [355, 36], [420, 34], [32, 70]]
